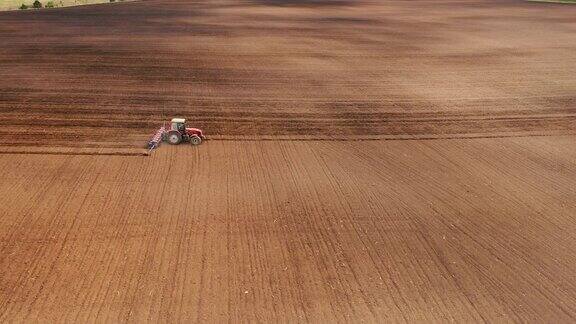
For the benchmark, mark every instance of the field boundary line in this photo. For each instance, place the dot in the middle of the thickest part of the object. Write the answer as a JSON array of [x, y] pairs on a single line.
[[381, 137], [72, 151], [104, 151]]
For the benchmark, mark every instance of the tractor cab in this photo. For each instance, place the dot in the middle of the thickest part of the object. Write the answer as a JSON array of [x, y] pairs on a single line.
[[178, 133], [178, 124]]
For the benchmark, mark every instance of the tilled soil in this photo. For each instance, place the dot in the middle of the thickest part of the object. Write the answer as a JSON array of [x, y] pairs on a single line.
[[107, 76], [437, 230], [317, 199]]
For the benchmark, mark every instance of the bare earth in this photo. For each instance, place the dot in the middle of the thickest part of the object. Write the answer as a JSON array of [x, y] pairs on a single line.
[[107, 76], [370, 161], [15, 4]]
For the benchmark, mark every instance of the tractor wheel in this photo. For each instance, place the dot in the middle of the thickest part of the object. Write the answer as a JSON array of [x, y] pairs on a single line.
[[174, 137], [195, 140]]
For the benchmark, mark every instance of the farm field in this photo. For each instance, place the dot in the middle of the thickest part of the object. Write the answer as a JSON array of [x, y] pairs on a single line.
[[15, 4], [557, 1], [368, 161], [294, 231], [107, 76]]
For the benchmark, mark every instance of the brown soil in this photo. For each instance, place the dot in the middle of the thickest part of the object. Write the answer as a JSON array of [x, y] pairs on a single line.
[[453, 202], [107, 76], [443, 230]]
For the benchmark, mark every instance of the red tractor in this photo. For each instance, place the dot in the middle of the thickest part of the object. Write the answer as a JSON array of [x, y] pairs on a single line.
[[179, 133]]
